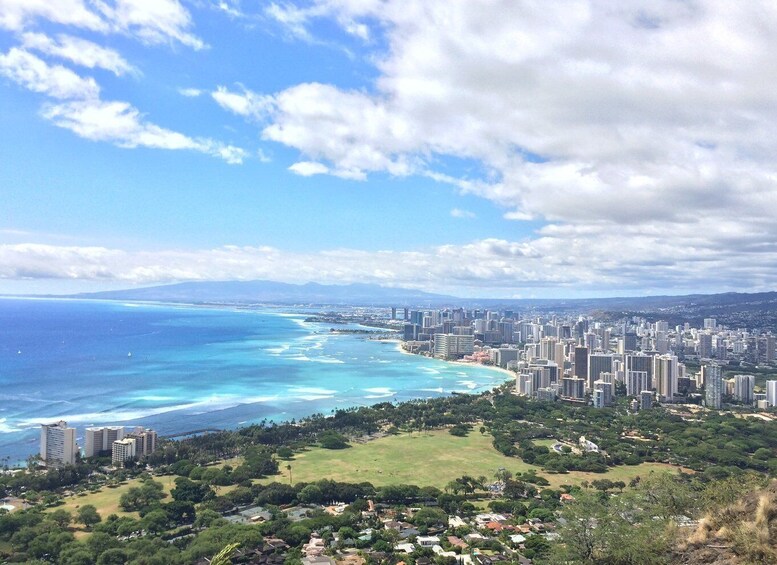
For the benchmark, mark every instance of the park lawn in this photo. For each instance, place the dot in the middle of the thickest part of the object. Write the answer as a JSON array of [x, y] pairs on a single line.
[[432, 458], [546, 442], [106, 500], [621, 473]]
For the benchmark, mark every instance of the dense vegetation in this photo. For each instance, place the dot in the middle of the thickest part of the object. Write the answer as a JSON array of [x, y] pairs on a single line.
[[730, 455]]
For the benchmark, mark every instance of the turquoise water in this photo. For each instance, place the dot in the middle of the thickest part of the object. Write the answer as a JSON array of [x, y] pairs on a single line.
[[180, 369]]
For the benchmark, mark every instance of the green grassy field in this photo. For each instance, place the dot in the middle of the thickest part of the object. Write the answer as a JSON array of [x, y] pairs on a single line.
[[429, 459], [106, 500], [422, 458]]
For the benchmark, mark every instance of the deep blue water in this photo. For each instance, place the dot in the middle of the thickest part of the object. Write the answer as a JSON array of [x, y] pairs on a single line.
[[179, 369]]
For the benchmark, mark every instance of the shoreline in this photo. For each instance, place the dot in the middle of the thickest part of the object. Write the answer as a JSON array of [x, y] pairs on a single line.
[[403, 351], [20, 439]]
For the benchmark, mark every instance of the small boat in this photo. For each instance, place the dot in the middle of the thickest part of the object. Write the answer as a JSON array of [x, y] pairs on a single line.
[[129, 354]]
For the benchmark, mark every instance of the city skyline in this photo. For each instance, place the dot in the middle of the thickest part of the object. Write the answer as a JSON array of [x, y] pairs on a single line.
[[505, 150]]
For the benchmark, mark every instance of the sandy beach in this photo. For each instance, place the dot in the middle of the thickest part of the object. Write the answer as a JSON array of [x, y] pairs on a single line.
[[509, 375]]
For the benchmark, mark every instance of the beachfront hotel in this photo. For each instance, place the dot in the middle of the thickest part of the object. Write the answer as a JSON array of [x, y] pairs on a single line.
[[58, 444]]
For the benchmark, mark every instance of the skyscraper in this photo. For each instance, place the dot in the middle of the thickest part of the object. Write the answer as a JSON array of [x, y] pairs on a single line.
[[704, 347], [743, 388], [101, 439], [713, 385], [598, 363], [636, 382], [581, 363], [665, 376], [771, 393], [58, 444], [603, 394]]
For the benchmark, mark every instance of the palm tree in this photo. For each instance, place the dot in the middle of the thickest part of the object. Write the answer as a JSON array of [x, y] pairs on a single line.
[[288, 468], [223, 557]]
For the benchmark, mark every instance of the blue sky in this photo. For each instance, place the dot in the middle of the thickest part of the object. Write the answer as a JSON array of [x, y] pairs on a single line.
[[494, 149]]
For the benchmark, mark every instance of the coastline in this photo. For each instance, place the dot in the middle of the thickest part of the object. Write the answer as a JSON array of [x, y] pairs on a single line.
[[361, 374], [508, 374]]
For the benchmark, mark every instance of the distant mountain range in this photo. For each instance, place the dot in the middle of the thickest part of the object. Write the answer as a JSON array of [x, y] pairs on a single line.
[[269, 292], [732, 308]]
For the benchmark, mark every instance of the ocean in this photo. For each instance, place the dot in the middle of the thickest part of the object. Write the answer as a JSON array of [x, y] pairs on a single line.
[[179, 369]]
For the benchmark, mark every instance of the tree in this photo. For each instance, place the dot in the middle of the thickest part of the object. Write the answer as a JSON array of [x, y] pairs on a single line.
[[430, 516], [187, 490], [310, 494], [155, 521], [333, 440], [288, 468], [115, 556], [88, 515], [223, 556], [61, 517]]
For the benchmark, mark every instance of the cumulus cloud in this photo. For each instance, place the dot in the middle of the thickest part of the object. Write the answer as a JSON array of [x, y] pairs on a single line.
[[647, 123], [308, 168], [557, 261]]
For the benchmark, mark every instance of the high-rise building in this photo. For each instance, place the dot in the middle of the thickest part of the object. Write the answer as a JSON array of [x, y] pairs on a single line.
[[636, 382], [58, 444], [451, 346], [630, 342], [665, 372], [704, 348], [598, 363], [559, 355], [546, 394], [504, 355], [638, 362], [771, 393], [581, 362], [743, 388], [548, 348], [101, 439], [769, 341], [713, 385], [123, 450], [145, 441], [645, 399], [602, 394], [573, 387]]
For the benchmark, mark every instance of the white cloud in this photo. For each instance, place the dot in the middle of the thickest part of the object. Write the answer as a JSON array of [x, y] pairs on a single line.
[[122, 124], [190, 92], [459, 213], [308, 168], [247, 104], [151, 21], [263, 156], [18, 14], [561, 260], [56, 81], [607, 117], [79, 51], [321, 121], [85, 114]]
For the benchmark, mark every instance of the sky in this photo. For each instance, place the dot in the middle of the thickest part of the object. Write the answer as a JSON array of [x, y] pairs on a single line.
[[479, 148]]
